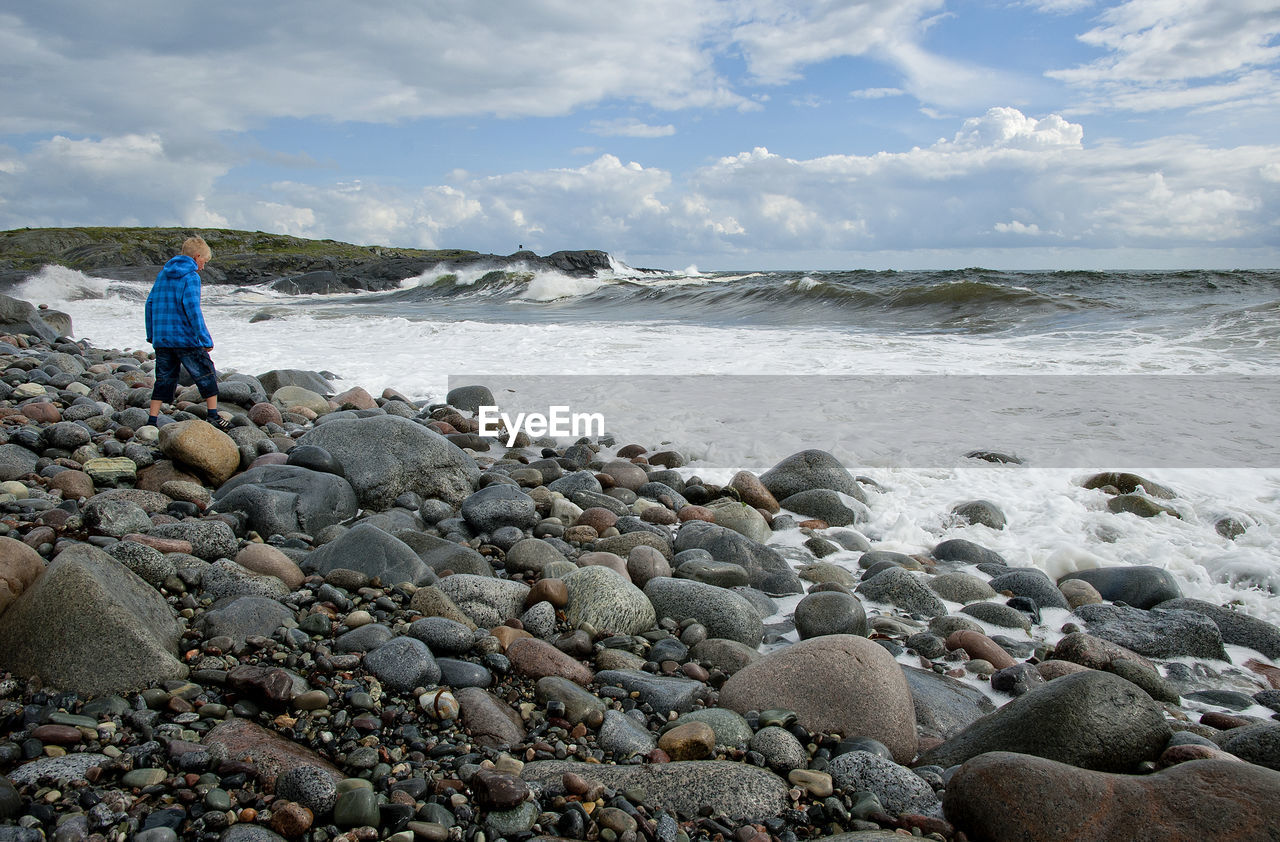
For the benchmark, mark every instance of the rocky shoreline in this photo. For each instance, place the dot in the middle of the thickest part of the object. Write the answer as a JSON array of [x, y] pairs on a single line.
[[354, 618]]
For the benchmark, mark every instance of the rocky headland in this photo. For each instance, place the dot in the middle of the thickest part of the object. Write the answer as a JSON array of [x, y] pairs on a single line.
[[354, 618], [293, 265]]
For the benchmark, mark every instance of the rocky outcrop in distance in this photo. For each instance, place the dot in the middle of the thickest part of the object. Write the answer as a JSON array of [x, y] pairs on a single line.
[[291, 264]]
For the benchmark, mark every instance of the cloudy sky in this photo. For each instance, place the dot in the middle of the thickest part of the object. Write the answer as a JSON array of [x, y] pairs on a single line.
[[730, 134]]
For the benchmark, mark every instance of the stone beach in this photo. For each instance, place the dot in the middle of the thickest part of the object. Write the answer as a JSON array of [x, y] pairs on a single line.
[[352, 618]]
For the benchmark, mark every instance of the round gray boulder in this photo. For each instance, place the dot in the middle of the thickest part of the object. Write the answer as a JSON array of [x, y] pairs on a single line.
[[601, 597], [830, 612], [497, 506], [724, 613]]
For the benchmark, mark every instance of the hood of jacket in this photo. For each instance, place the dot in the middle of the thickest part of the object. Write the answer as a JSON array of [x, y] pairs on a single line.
[[178, 267]]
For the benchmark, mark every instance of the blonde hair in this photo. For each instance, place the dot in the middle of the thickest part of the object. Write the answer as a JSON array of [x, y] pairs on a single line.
[[196, 247]]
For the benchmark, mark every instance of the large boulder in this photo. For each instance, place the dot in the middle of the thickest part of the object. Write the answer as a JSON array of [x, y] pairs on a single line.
[[1002, 797], [767, 569], [385, 456], [607, 601], [366, 548], [16, 461], [1094, 720], [287, 498], [838, 684], [945, 706], [724, 613], [91, 626], [17, 316], [201, 446], [807, 470]]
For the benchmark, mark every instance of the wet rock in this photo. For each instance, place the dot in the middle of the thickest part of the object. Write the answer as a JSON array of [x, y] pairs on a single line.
[[90, 625], [1002, 797], [1031, 583], [943, 705], [1138, 586], [810, 469], [266, 752], [486, 601], [402, 664], [279, 499], [830, 612], [1236, 627], [1157, 633], [490, 720], [1093, 720], [724, 613], [901, 588], [366, 548], [767, 569], [899, 789]]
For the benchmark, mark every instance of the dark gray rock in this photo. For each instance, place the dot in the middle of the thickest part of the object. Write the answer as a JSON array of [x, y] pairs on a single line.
[[1139, 586], [470, 398], [571, 484], [945, 706], [810, 469], [366, 638], [497, 506], [722, 574], [89, 625], [830, 612], [1031, 583], [245, 616], [441, 554], [899, 789], [16, 461], [662, 693], [455, 673], [623, 737], [982, 512], [17, 316], [371, 551], [901, 588], [780, 749], [724, 613], [966, 552], [280, 499], [767, 569], [826, 505], [209, 539], [1237, 628], [442, 635], [998, 614], [402, 664], [961, 587], [531, 555], [1157, 633], [1257, 743], [385, 456], [313, 380], [1093, 720]]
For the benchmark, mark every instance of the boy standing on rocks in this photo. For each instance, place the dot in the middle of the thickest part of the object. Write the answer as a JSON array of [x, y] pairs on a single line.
[[176, 329]]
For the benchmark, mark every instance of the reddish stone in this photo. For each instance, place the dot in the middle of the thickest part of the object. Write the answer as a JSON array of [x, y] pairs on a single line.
[[752, 492], [266, 753], [659, 515], [39, 535], [536, 658], [978, 645], [688, 513], [164, 545], [58, 735], [354, 398], [42, 411], [1095, 652], [1269, 672], [1001, 797], [73, 484], [269, 459], [442, 427], [554, 591], [629, 450], [265, 413], [151, 478], [1049, 670], [289, 819], [1224, 721], [814, 523], [1174, 755], [597, 518]]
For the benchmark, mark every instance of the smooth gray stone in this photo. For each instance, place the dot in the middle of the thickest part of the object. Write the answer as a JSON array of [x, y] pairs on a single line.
[[442, 635], [499, 505], [962, 550], [944, 705], [402, 664], [824, 504], [780, 749], [1033, 584], [901, 588], [623, 737], [578, 703], [385, 456], [367, 549], [724, 613], [662, 693], [810, 469], [440, 554], [1140, 586], [89, 625], [602, 598], [998, 614], [768, 570], [1257, 743], [244, 616], [455, 673], [830, 612]]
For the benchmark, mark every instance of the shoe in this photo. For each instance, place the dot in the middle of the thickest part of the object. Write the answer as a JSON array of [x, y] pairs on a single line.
[[221, 422]]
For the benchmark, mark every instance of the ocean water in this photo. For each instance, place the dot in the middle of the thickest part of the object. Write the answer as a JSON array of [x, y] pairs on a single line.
[[733, 369]]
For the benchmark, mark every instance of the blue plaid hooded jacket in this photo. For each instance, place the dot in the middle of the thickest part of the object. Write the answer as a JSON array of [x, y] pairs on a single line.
[[174, 319]]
